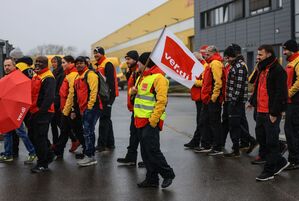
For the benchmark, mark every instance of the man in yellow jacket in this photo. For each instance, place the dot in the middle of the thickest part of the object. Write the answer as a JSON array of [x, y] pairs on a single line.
[[87, 101], [211, 96], [149, 113], [69, 126]]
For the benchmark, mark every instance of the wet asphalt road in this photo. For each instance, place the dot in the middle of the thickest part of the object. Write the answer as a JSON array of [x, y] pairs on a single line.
[[198, 177]]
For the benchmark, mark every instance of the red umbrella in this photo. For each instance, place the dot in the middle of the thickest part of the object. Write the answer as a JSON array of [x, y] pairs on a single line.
[[15, 100]]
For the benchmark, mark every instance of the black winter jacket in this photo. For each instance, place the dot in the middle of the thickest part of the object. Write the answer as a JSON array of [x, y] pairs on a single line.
[[276, 86]]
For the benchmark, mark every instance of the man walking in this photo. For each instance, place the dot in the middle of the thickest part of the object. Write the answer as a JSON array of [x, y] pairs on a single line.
[[149, 113], [269, 97]]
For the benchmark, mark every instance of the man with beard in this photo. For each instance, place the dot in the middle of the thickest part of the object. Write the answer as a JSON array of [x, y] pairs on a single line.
[[269, 98], [132, 75]]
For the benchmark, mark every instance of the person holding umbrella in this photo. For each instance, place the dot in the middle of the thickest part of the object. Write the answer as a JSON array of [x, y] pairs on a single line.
[[42, 110], [7, 155]]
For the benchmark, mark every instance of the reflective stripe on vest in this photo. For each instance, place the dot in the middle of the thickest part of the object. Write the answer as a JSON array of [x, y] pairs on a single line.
[[145, 100]]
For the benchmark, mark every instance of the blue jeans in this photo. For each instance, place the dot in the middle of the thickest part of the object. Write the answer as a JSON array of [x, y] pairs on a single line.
[[90, 118], [8, 141]]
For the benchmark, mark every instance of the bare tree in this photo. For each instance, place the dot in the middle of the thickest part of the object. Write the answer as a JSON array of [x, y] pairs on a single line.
[[52, 49]]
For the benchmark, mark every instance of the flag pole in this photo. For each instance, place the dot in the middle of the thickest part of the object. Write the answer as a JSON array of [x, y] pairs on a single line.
[[146, 63], [148, 59]]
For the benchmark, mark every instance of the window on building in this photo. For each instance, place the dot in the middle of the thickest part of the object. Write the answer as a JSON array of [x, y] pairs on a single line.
[[279, 3], [259, 6], [297, 7], [239, 9], [222, 14]]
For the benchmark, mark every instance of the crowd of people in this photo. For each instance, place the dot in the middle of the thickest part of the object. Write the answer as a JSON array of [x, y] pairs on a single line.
[[73, 95], [221, 96]]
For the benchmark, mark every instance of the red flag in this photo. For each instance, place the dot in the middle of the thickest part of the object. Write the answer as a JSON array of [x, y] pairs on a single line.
[[176, 60]]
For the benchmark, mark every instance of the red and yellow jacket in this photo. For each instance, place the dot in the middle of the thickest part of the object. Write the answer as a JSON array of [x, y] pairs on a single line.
[[131, 82], [101, 65], [212, 82], [43, 91], [292, 70], [66, 91], [87, 93], [196, 89]]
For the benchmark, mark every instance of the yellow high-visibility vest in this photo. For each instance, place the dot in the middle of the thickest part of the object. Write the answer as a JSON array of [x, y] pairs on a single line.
[[145, 100]]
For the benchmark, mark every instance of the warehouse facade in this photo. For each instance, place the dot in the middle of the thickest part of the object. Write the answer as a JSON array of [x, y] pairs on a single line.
[[248, 23]]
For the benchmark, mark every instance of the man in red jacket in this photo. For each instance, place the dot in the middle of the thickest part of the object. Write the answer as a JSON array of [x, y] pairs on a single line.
[[269, 97]]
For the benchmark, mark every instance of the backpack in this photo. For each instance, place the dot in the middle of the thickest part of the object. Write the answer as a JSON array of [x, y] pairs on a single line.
[[103, 88]]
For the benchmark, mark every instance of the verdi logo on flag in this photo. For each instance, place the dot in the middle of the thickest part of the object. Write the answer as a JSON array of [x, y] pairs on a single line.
[[175, 59]]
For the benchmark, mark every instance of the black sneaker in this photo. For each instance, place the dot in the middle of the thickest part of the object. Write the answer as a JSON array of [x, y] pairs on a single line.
[[202, 150], [126, 161], [79, 156], [233, 154], [214, 152], [39, 169], [281, 167], [190, 145], [141, 164], [244, 147], [147, 184], [101, 149], [292, 166], [265, 176], [252, 146], [166, 182], [258, 161]]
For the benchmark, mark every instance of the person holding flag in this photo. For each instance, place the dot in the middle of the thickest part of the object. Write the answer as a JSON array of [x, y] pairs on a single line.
[[149, 113]]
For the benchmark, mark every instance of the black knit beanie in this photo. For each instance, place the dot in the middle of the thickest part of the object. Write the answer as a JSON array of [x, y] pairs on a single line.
[[229, 52], [291, 45], [143, 58], [133, 54]]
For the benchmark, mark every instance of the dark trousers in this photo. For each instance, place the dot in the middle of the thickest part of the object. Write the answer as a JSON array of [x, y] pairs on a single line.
[[15, 143], [89, 119], [267, 133], [210, 126], [154, 160], [106, 135], [134, 141], [39, 133], [235, 113], [55, 124], [245, 137], [69, 127], [197, 134], [291, 128]]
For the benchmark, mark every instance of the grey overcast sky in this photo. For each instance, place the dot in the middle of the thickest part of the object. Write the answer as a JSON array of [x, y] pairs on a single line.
[[29, 23]]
